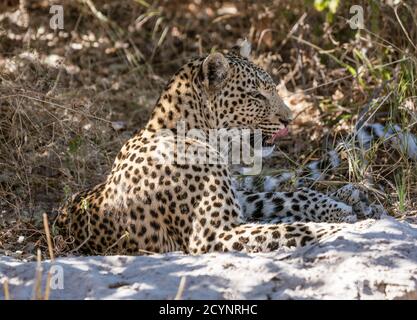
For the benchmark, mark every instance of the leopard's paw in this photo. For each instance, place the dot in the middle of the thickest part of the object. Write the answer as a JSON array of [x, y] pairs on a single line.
[[358, 200]]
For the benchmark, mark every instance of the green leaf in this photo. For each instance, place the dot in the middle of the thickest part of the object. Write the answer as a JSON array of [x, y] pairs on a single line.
[[333, 4], [75, 144], [320, 5]]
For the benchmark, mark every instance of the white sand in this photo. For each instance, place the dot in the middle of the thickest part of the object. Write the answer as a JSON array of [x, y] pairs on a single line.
[[371, 260]]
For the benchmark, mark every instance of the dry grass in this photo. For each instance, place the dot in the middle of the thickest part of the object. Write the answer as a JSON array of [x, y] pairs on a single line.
[[69, 99]]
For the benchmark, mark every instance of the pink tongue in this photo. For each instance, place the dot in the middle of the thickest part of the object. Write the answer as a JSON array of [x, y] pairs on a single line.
[[278, 134]]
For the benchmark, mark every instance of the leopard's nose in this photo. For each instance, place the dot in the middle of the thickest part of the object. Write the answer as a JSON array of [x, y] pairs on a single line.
[[285, 122]]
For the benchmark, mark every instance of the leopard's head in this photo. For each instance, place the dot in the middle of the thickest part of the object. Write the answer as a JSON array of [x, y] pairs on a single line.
[[242, 95]]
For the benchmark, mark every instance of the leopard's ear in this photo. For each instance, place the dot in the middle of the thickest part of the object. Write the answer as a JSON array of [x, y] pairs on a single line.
[[215, 71]]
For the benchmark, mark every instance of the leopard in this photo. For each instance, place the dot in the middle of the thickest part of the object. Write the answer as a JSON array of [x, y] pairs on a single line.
[[146, 205]]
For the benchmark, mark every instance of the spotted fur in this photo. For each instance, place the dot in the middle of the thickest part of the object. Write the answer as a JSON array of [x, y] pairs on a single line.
[[148, 206]]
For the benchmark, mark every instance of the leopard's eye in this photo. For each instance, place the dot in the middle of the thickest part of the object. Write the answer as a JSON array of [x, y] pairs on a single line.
[[257, 95]]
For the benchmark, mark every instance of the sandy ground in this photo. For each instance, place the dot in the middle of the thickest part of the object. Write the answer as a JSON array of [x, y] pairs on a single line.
[[370, 260]]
